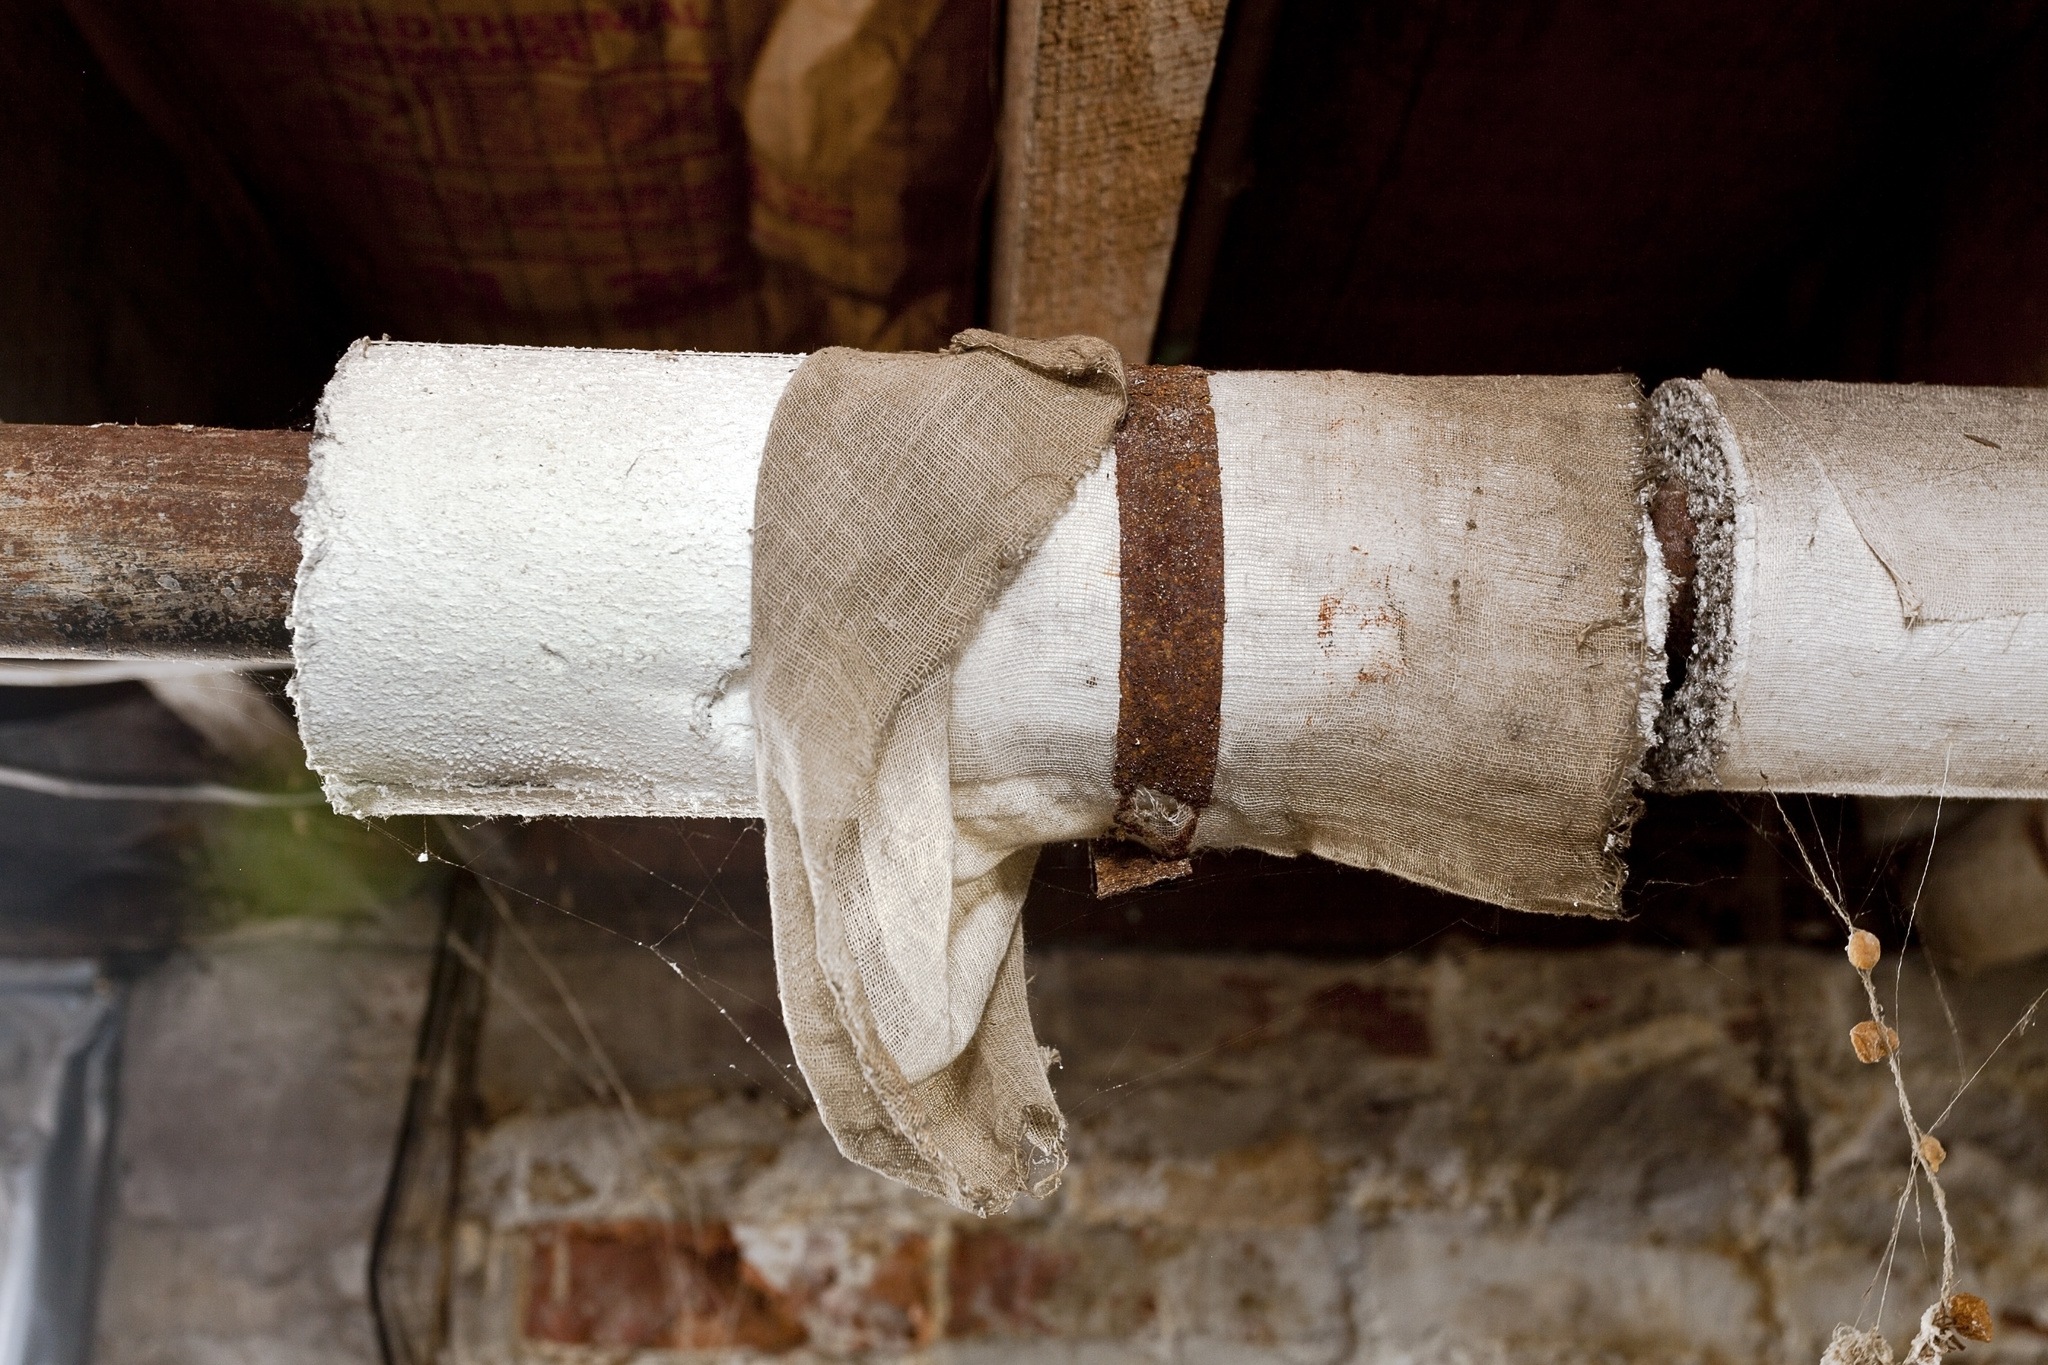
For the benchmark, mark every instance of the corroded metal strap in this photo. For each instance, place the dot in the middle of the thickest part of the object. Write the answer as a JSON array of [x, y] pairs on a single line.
[[1170, 514]]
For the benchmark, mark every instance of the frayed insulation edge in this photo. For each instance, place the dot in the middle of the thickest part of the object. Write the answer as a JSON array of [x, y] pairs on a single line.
[[1691, 443]]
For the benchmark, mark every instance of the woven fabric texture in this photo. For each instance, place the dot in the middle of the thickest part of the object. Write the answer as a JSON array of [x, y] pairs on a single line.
[[1435, 652], [897, 495], [1434, 662]]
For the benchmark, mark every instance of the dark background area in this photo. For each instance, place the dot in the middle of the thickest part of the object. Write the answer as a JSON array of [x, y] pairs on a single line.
[[1811, 190], [126, 295], [1804, 191]]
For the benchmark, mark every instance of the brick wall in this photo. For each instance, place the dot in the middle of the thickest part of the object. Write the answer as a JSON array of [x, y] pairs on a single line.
[[1477, 1155]]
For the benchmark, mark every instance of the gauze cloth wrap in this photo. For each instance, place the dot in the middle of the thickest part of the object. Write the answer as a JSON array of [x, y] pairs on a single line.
[[898, 493], [1435, 662]]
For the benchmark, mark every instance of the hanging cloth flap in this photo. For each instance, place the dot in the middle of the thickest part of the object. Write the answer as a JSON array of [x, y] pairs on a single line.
[[897, 495]]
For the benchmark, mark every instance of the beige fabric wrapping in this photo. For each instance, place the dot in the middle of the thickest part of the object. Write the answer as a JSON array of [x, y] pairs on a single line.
[[1435, 653], [1436, 650], [897, 494], [1873, 587], [1435, 662]]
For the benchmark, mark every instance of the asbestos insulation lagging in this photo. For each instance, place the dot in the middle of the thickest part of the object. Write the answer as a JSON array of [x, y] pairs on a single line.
[[541, 582]]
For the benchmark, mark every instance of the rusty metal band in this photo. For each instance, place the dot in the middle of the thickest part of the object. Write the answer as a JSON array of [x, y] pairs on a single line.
[[1170, 678]]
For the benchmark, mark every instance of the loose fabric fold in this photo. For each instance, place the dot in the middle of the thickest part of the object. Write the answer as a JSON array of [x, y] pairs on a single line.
[[1435, 653], [897, 495]]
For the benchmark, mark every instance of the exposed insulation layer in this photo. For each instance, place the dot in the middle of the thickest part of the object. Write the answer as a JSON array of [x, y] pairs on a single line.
[[1690, 445], [1873, 588], [524, 588]]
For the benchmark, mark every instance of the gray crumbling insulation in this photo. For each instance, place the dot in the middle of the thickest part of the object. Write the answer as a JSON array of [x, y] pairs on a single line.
[[1689, 444]]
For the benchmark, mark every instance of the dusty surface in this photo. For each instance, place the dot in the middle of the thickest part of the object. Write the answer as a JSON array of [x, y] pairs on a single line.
[[1102, 109], [1471, 1154]]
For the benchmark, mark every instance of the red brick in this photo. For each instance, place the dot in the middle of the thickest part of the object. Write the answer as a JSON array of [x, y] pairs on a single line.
[[650, 1284], [903, 1283], [997, 1283], [1390, 1023], [868, 1292]]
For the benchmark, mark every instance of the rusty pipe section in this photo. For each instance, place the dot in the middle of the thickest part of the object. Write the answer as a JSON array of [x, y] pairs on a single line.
[[148, 542]]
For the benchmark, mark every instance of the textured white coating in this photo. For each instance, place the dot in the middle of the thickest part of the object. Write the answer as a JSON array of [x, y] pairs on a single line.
[[1834, 688], [525, 587]]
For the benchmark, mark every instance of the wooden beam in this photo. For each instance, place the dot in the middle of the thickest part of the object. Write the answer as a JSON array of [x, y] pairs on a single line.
[[1102, 107], [168, 542]]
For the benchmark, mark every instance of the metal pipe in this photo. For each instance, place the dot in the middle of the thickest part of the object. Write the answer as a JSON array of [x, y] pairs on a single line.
[[148, 542]]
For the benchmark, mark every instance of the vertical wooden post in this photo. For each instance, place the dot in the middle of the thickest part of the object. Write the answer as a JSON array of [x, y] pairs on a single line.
[[1102, 107]]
